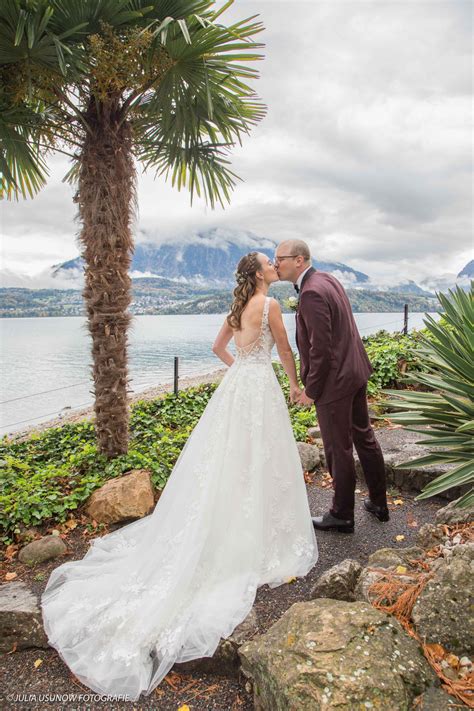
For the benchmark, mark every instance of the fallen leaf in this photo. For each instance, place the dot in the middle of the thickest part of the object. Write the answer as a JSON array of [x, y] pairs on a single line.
[[11, 576], [436, 649], [291, 580], [398, 502], [400, 569], [173, 679], [290, 640], [453, 661], [13, 649], [71, 524], [184, 707], [38, 663], [11, 551], [400, 537]]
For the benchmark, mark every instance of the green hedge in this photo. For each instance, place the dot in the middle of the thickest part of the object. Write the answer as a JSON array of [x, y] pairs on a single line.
[[391, 354]]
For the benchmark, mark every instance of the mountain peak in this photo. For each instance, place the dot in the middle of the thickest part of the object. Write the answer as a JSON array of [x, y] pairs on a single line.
[[207, 257], [467, 271]]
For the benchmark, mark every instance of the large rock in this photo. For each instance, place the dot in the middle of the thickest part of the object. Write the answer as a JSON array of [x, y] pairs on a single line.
[[309, 455], [430, 536], [122, 499], [453, 514], [435, 699], [443, 612], [398, 446], [42, 549], [330, 654], [314, 432], [225, 661], [21, 624], [338, 582], [384, 558]]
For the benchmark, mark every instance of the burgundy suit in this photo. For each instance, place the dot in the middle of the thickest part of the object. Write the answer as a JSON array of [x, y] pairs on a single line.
[[334, 369]]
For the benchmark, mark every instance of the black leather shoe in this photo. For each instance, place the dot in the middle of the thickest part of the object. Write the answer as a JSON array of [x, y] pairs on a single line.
[[380, 512], [328, 521]]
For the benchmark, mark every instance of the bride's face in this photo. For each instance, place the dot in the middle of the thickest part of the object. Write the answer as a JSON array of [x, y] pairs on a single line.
[[267, 271]]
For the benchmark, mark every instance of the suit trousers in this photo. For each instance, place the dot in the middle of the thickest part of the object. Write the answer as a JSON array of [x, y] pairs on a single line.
[[345, 423]]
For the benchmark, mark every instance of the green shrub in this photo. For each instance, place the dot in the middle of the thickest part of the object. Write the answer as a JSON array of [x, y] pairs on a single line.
[[446, 413], [54, 472], [391, 356]]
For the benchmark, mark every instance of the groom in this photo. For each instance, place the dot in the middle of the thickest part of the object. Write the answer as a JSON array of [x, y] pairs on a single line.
[[334, 369]]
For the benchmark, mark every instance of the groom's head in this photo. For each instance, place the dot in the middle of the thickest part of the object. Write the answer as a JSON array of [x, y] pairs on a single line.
[[292, 258]]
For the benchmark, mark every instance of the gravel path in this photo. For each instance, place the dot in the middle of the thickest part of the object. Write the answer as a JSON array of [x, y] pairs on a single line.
[[205, 692]]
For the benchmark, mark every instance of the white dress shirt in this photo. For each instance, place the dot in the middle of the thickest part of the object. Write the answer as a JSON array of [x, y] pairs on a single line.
[[300, 278]]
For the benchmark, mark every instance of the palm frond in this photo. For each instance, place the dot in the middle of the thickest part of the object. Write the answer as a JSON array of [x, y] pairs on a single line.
[[22, 165]]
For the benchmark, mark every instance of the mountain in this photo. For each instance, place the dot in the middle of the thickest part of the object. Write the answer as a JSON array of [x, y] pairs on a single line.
[[468, 271], [410, 287], [208, 258]]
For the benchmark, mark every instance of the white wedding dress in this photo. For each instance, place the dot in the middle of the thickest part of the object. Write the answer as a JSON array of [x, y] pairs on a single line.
[[233, 516]]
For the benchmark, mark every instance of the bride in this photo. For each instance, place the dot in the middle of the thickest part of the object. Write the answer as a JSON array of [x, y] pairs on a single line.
[[233, 516]]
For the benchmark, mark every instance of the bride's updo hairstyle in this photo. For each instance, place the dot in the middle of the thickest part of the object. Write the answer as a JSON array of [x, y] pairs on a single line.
[[246, 276]]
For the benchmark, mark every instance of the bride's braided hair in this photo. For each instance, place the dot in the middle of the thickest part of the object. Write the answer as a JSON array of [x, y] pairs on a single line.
[[245, 289]]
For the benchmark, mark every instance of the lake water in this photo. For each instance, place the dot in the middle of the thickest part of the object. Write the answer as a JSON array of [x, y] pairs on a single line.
[[46, 361]]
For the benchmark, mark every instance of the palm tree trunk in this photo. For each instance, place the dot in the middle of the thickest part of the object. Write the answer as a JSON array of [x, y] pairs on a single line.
[[107, 201]]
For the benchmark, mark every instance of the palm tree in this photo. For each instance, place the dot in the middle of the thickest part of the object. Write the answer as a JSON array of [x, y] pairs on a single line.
[[110, 83]]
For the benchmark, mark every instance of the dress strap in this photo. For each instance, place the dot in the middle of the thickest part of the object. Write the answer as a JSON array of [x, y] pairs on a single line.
[[266, 308]]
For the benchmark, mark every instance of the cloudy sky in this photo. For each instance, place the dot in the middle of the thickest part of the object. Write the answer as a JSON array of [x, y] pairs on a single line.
[[366, 151]]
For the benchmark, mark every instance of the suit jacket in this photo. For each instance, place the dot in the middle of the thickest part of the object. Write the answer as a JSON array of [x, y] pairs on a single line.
[[333, 361]]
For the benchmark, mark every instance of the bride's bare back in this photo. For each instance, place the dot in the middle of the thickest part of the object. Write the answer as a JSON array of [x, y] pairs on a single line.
[[250, 322]]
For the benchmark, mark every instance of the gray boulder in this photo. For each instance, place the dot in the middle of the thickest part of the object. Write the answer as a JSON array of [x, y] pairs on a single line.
[[452, 514], [331, 654], [399, 446], [384, 558], [42, 550], [435, 699], [314, 432], [443, 611], [338, 582], [225, 660], [430, 536], [309, 455], [21, 624], [389, 557]]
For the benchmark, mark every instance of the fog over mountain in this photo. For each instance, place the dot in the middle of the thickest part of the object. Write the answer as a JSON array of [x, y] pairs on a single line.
[[209, 258]]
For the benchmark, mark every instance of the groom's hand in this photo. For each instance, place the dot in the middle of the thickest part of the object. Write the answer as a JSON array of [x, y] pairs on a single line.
[[305, 400]]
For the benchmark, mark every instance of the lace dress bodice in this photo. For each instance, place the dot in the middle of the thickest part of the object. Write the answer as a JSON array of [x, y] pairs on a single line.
[[259, 350]]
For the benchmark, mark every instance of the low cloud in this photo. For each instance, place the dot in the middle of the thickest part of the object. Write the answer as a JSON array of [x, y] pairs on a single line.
[[365, 151]]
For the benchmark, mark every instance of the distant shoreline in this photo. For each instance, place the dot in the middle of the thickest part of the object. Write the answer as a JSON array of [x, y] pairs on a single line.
[[214, 376]]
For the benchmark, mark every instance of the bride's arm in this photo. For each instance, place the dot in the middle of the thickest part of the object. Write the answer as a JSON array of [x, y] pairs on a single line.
[[220, 344], [277, 327]]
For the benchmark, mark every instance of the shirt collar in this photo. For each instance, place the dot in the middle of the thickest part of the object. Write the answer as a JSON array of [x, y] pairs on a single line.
[[301, 277]]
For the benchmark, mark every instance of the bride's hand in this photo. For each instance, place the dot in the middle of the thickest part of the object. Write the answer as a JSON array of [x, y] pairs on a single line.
[[295, 393]]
